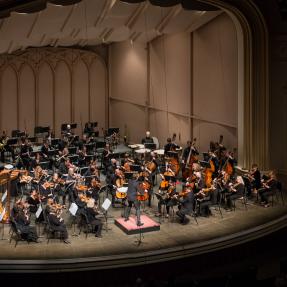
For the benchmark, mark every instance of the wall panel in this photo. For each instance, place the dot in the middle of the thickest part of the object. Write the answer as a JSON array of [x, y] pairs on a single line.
[[98, 91], [80, 94], [45, 92], [62, 96], [8, 100], [45, 96], [27, 99]]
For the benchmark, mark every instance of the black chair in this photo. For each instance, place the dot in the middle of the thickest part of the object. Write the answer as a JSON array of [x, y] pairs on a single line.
[[72, 150], [16, 233], [275, 192], [85, 225], [50, 231]]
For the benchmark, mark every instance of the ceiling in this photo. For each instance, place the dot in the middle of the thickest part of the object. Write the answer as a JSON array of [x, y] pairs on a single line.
[[36, 23]]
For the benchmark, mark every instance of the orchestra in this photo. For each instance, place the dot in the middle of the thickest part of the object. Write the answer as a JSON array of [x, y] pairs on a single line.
[[163, 178]]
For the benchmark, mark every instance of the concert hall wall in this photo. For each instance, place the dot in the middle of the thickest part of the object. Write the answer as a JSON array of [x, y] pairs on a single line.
[[51, 86], [183, 83]]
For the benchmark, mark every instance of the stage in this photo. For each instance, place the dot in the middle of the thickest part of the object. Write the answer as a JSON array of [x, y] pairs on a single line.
[[117, 249]]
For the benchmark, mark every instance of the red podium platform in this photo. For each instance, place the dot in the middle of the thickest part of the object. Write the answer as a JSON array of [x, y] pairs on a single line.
[[130, 226]]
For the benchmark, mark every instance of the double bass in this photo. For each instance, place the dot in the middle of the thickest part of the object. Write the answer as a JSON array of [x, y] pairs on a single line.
[[192, 158]]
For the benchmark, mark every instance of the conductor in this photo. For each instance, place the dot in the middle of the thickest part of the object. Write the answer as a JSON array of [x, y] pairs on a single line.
[[132, 192]]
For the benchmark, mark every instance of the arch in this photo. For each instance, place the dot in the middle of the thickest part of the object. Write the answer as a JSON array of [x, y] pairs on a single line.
[[9, 90], [26, 96], [45, 95], [62, 95]]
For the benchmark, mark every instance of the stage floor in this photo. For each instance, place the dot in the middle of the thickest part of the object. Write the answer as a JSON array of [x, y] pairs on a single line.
[[172, 241]]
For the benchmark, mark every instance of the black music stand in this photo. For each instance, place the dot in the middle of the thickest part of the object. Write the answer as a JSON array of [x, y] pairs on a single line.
[[135, 167], [55, 142], [73, 126], [12, 141], [151, 146], [204, 164], [112, 131], [206, 156]]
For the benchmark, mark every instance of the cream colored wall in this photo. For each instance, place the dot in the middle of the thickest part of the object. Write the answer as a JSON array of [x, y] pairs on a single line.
[[170, 87], [128, 89], [215, 82], [48, 87], [152, 88]]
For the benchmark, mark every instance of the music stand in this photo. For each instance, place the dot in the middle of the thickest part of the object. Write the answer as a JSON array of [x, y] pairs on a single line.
[[55, 142], [206, 156], [64, 127], [106, 205], [111, 131], [129, 175], [151, 146], [135, 167], [100, 145], [73, 126], [21, 134], [12, 141], [204, 164]]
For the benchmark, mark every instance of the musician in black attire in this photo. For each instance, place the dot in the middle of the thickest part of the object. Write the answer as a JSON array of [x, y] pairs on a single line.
[[255, 177], [111, 178], [235, 191], [5, 147], [268, 187], [186, 206], [189, 151], [25, 151], [93, 220], [33, 201], [148, 138], [57, 223], [132, 192], [21, 217], [170, 146], [106, 156]]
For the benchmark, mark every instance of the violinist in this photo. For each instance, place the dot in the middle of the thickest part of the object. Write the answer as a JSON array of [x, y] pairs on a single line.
[[58, 188], [70, 184], [106, 156], [45, 150], [33, 201], [186, 205], [254, 177], [57, 223], [25, 151], [235, 190], [82, 153], [92, 173], [65, 166], [269, 184], [204, 200], [22, 219], [94, 189], [92, 218], [81, 202], [166, 188]]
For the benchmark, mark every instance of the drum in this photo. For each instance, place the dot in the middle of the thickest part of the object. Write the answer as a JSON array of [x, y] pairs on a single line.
[[142, 150], [121, 192], [159, 151]]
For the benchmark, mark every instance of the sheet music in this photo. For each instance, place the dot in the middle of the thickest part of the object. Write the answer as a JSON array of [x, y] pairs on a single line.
[[4, 196], [106, 204], [2, 214], [39, 211], [73, 208]]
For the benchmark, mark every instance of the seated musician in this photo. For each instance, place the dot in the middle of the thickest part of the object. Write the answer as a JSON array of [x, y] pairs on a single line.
[[22, 220], [94, 189], [204, 200], [92, 213], [33, 201], [57, 223], [70, 185], [254, 178], [64, 166], [235, 190], [81, 202], [148, 138], [132, 192], [106, 156], [186, 205], [45, 191], [164, 195], [170, 146], [5, 147], [58, 190], [25, 150], [269, 184], [45, 150], [91, 173], [82, 152]]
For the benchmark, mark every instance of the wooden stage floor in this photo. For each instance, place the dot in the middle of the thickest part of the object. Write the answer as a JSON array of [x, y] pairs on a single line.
[[116, 248]]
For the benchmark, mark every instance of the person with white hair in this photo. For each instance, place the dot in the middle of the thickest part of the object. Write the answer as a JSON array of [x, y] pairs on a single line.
[[92, 213], [148, 138], [235, 191]]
